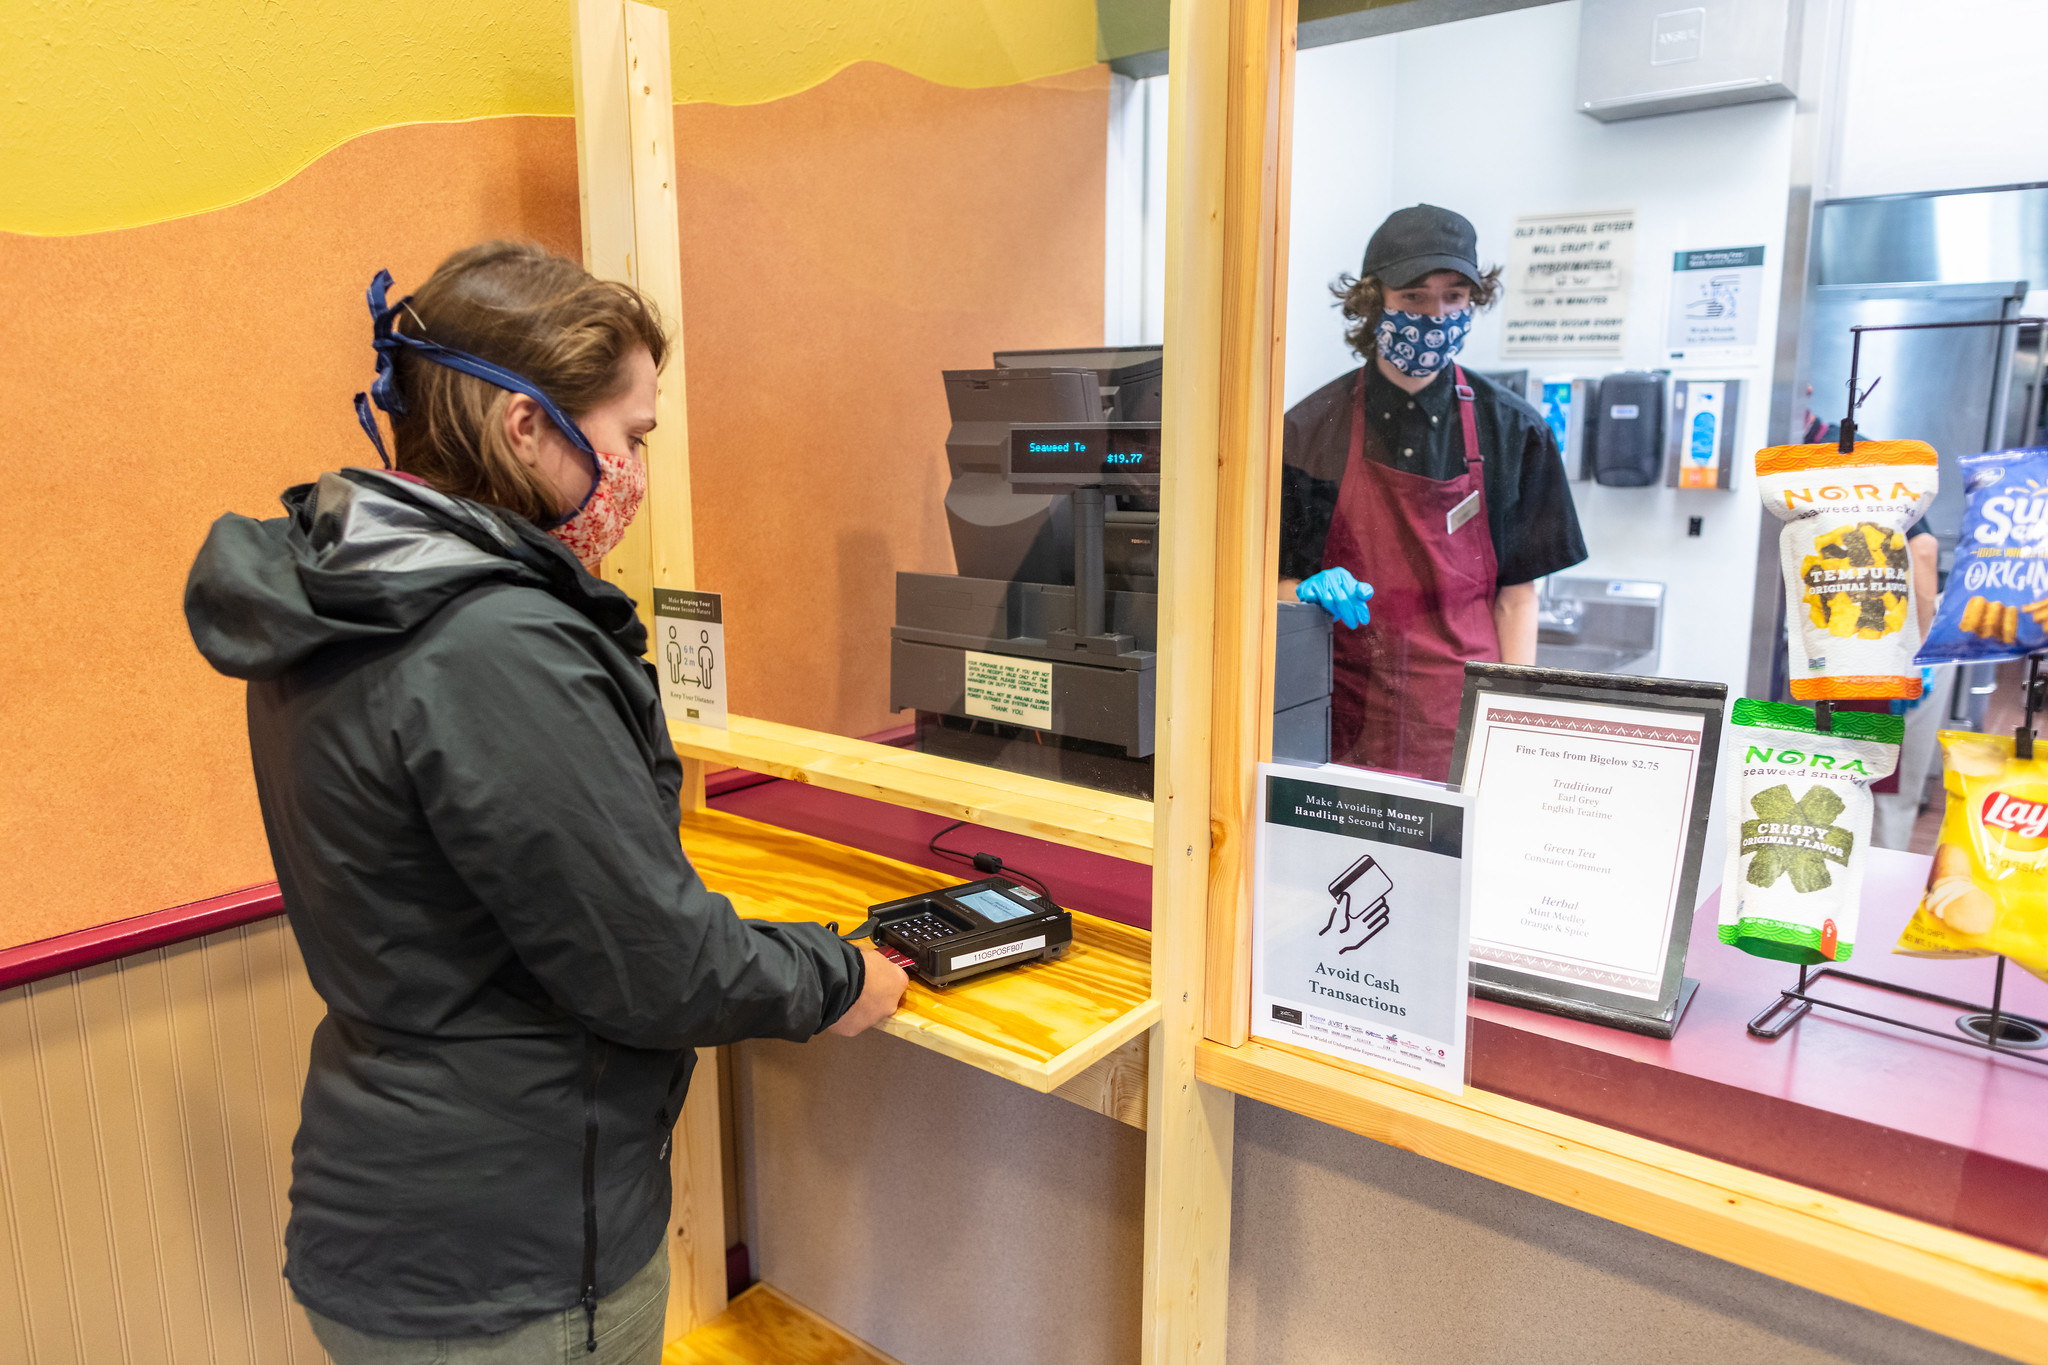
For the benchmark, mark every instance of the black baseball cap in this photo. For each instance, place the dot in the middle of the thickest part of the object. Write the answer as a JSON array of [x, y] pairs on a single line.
[[1416, 241]]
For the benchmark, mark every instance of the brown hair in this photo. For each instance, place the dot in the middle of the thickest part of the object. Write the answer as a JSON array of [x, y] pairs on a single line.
[[1364, 300], [538, 315]]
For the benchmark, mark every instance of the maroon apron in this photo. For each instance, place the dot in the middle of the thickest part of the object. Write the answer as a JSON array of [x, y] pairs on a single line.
[[1399, 678]]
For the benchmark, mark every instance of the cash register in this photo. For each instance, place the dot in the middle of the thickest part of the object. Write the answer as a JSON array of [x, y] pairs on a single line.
[[1039, 654]]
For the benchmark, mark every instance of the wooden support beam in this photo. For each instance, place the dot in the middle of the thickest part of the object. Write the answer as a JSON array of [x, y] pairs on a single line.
[[604, 186], [1229, 110], [669, 555], [1258, 140], [1217, 91], [696, 1242], [1114, 1085], [658, 271], [626, 182]]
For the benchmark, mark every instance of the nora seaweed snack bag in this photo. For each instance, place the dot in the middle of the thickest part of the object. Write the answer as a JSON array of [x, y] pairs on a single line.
[[1987, 890], [1799, 828], [1995, 605], [1850, 628]]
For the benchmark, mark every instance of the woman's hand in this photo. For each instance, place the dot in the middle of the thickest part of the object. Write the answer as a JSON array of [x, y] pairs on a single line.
[[880, 995]]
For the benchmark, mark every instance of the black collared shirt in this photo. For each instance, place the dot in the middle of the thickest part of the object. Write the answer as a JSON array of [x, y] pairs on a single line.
[[1528, 498]]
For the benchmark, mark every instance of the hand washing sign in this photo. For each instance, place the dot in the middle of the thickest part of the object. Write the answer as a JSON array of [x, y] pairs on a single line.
[[1715, 298]]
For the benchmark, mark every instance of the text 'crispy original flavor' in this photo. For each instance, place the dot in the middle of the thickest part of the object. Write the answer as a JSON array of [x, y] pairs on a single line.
[[1850, 627], [1995, 605], [1799, 827], [1988, 889]]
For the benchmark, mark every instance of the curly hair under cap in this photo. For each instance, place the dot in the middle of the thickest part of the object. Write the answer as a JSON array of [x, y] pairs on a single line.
[[1363, 301], [536, 314]]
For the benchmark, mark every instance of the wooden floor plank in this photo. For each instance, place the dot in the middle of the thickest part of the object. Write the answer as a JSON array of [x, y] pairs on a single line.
[[766, 1327]]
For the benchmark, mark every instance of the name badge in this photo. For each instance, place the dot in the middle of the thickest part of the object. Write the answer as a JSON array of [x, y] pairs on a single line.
[[1461, 514]]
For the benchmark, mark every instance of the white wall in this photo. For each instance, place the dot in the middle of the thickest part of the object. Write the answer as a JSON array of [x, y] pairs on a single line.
[[1134, 277], [1343, 186], [1941, 97], [1477, 116]]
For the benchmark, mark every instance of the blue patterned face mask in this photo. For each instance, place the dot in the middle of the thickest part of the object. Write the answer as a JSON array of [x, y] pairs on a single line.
[[1418, 344]]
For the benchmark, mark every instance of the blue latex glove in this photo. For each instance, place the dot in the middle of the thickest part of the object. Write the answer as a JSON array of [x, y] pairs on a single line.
[[1338, 593]]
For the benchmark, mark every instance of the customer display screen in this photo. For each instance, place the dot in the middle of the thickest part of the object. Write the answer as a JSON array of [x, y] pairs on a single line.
[[994, 905], [1075, 454]]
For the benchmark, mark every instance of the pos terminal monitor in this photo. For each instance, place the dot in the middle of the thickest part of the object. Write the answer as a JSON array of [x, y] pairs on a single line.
[[1070, 455]]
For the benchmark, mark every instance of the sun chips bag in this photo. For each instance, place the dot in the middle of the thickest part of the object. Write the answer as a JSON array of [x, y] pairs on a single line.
[[1996, 603], [1987, 891], [1850, 627], [1799, 828]]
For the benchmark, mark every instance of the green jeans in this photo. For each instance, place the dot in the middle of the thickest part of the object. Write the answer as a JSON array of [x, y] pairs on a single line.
[[629, 1327]]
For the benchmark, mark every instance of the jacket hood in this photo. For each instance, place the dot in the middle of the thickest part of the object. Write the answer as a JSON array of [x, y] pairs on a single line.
[[365, 555]]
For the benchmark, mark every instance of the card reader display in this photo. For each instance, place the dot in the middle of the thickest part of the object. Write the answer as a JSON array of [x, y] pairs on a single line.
[[962, 931]]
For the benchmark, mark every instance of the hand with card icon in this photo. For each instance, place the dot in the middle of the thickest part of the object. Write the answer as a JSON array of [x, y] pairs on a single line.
[[881, 995]]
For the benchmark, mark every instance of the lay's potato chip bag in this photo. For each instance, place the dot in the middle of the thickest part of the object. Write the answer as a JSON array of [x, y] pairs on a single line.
[[1850, 627], [1987, 891]]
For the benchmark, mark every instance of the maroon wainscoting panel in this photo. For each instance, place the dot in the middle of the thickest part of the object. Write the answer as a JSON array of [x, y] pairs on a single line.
[[106, 942]]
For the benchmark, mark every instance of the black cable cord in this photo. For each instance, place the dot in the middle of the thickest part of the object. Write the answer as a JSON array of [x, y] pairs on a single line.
[[987, 862]]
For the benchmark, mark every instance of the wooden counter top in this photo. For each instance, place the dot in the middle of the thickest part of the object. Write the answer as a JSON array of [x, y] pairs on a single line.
[[1120, 826], [1040, 1024]]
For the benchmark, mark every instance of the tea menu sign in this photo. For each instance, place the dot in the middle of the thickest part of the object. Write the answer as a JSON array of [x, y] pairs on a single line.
[[1595, 792]]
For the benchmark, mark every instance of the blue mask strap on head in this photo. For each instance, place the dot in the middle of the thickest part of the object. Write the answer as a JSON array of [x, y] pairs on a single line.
[[384, 391]]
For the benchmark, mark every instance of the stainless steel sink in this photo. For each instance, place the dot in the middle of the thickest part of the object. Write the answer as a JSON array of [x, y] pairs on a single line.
[[1600, 625]]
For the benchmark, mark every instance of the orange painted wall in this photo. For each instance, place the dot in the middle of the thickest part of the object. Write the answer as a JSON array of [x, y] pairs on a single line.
[[841, 246], [153, 379]]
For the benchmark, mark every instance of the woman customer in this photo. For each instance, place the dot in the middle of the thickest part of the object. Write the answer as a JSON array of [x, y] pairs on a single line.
[[472, 805]]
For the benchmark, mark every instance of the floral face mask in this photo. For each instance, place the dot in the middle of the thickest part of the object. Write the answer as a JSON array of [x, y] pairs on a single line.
[[595, 529]]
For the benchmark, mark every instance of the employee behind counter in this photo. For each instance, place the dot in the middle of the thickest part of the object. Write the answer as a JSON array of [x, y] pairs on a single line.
[[1429, 490]]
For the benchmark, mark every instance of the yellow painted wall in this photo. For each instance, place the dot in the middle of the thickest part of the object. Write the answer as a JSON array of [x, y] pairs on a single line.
[[117, 113]]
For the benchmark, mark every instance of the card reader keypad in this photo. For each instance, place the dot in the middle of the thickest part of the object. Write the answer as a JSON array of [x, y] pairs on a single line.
[[922, 931]]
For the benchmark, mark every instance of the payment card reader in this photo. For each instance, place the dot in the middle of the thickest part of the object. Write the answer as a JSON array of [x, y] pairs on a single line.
[[962, 931]]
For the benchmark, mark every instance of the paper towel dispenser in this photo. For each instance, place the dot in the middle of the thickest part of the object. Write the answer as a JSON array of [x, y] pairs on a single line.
[[1626, 433], [1642, 57]]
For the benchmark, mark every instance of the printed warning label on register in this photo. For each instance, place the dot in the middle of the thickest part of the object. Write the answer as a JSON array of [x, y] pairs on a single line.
[[1015, 691]]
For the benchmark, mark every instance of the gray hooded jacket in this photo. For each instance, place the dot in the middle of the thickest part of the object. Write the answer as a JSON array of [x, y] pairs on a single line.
[[472, 806]]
